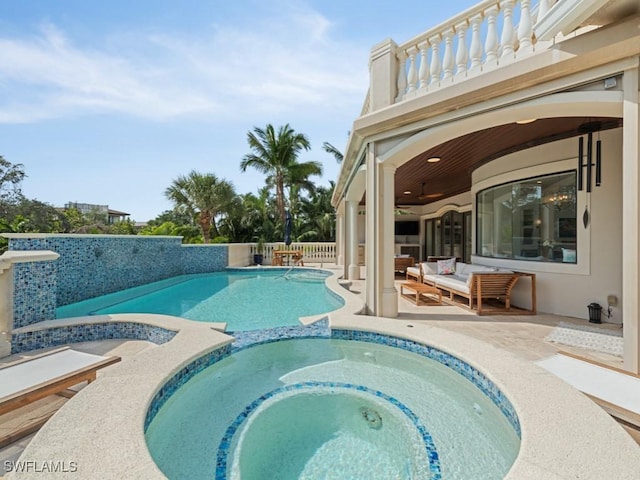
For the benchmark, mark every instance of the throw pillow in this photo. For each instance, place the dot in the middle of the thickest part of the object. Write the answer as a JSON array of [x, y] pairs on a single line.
[[447, 267]]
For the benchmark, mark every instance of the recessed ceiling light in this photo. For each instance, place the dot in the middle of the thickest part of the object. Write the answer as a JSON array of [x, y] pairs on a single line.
[[433, 159], [433, 195], [408, 192], [525, 121]]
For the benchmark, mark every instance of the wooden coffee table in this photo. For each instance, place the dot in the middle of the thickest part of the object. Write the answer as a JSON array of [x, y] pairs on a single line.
[[419, 289]]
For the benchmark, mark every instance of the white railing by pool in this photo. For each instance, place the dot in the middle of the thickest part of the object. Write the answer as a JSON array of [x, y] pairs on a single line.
[[488, 35], [312, 252]]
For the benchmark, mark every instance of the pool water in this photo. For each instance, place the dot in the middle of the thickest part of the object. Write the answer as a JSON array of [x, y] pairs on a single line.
[[315, 426], [244, 300], [328, 408]]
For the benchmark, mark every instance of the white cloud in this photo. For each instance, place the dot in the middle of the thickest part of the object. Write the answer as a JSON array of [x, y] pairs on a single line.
[[286, 63]]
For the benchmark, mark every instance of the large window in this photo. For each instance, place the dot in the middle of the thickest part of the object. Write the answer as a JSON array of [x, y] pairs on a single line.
[[449, 235], [532, 219]]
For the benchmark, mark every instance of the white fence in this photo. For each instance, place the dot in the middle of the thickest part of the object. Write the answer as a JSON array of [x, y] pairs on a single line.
[[312, 252]]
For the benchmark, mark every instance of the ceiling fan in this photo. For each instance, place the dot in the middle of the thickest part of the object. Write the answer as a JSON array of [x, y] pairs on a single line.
[[402, 209], [428, 196]]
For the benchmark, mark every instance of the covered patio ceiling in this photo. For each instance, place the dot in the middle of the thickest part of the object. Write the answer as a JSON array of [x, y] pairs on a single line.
[[429, 182]]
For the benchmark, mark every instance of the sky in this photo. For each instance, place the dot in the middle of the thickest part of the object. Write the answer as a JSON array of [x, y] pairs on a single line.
[[107, 102]]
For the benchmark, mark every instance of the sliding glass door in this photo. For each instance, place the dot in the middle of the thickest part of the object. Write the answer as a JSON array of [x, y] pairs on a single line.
[[449, 235]]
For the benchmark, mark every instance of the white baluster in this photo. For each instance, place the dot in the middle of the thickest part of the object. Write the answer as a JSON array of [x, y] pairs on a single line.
[[476, 44], [447, 63], [402, 75], [506, 40], [423, 74], [491, 42], [525, 29], [543, 8], [435, 68], [461, 55], [412, 76]]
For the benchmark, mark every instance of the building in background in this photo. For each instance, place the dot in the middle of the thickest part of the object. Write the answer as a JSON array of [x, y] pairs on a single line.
[[88, 209]]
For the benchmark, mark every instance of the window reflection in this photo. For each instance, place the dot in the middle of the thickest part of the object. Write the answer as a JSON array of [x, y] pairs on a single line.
[[532, 219]]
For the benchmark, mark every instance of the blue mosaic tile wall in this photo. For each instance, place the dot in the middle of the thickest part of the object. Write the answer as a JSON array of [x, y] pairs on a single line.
[[92, 266], [34, 286], [204, 258], [53, 337]]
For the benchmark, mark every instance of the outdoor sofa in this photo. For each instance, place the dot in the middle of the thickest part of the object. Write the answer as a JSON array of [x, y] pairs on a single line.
[[473, 282]]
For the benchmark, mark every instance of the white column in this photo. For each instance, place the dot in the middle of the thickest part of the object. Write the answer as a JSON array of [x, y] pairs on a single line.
[[340, 234], [491, 42], [462, 56], [388, 306], [401, 83], [371, 246], [506, 40], [631, 220], [383, 75], [353, 272], [423, 73], [435, 67], [475, 50], [412, 75], [381, 296], [448, 58], [6, 308], [525, 29]]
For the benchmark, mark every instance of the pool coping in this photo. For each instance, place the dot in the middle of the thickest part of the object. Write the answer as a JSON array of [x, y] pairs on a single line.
[[563, 433]]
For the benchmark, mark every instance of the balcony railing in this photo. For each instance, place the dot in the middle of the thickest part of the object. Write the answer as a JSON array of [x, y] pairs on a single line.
[[480, 39], [312, 252]]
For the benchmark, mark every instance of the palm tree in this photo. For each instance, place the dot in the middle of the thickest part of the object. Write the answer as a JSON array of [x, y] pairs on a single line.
[[298, 180], [276, 155], [319, 217], [204, 197], [338, 155]]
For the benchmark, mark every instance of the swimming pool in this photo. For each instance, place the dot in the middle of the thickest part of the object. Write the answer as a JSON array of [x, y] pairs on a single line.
[[331, 408], [245, 300]]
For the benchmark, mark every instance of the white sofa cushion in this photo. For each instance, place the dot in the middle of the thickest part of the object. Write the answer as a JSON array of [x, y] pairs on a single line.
[[429, 267], [415, 271], [430, 278], [451, 282], [460, 280], [467, 268], [488, 270]]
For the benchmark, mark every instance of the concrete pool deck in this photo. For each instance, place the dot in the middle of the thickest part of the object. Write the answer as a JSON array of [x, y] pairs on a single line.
[[564, 435]]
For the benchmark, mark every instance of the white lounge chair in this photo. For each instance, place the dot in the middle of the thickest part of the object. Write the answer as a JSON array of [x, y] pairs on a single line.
[[32, 379], [615, 390]]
